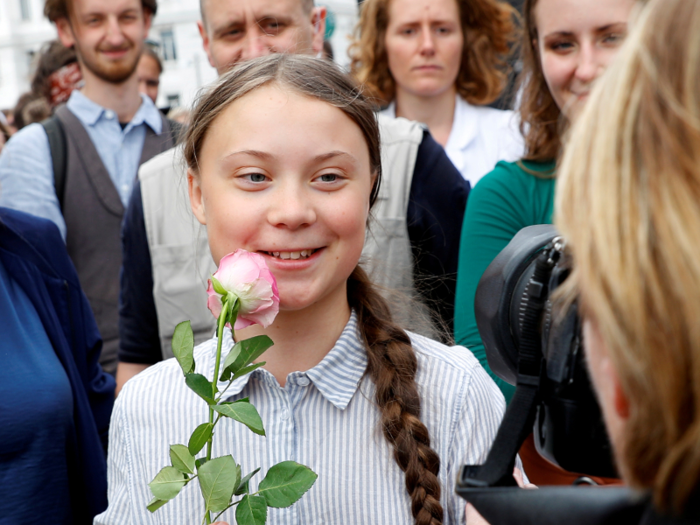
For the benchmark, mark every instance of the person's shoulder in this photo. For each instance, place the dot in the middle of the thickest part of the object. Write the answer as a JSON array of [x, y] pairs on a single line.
[[41, 233], [515, 176], [442, 358], [27, 140], [399, 129], [169, 163]]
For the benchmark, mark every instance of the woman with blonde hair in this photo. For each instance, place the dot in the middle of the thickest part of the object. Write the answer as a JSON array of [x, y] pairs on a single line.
[[628, 205], [440, 62]]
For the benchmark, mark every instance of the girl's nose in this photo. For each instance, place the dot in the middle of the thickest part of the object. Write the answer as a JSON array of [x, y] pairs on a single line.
[[292, 209]]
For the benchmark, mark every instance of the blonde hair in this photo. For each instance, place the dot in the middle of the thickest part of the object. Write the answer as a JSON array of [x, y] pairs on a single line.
[[488, 28], [628, 203]]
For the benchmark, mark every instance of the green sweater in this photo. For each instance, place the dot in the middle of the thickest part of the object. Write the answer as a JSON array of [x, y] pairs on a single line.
[[501, 204]]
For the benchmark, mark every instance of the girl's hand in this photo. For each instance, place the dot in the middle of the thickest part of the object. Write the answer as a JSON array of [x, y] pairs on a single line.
[[472, 515]]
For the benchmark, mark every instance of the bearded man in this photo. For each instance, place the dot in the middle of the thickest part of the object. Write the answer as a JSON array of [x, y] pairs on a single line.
[[78, 168]]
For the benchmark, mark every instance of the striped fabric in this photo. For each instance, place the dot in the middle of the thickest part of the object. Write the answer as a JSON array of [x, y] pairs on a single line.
[[324, 418]]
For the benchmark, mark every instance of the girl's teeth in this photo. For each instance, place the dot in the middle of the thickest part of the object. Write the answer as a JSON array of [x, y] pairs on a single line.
[[303, 254]]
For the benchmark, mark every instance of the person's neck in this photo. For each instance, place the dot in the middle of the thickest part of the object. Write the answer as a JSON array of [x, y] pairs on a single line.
[[436, 112], [302, 338], [123, 98]]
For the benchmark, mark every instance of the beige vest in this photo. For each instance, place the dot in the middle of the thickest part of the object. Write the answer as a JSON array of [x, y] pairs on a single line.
[[180, 254]]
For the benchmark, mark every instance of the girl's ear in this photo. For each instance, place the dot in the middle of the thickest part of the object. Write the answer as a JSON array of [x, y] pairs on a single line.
[[196, 200]]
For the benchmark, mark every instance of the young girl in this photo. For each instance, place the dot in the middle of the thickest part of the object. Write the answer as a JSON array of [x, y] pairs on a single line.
[[283, 156]]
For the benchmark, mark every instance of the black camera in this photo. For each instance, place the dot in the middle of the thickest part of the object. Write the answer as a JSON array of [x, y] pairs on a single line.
[[535, 343]]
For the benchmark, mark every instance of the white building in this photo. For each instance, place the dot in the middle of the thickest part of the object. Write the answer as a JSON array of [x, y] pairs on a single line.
[[23, 29]]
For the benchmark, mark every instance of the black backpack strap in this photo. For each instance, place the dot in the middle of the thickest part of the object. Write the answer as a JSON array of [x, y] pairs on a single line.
[[57, 145]]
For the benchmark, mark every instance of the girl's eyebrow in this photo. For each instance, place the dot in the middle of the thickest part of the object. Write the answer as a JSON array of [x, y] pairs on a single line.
[[333, 154], [318, 158], [255, 153]]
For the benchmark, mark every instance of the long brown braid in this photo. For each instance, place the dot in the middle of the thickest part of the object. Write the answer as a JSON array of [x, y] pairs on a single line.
[[392, 367]]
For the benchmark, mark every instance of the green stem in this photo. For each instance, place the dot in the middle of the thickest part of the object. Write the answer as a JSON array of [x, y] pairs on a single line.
[[221, 324], [231, 505]]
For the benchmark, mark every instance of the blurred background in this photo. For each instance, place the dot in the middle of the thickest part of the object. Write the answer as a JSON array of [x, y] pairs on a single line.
[[174, 36]]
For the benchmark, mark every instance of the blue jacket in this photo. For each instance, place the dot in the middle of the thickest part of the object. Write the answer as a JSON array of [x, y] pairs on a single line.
[[33, 253]]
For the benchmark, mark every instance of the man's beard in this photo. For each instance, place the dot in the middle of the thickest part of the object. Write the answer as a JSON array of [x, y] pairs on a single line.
[[113, 72]]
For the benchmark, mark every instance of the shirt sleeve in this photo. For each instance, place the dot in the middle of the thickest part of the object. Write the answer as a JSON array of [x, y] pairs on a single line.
[[437, 200], [494, 215], [139, 341], [26, 176]]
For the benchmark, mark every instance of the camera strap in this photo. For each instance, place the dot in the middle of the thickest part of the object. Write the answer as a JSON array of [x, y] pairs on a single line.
[[519, 418]]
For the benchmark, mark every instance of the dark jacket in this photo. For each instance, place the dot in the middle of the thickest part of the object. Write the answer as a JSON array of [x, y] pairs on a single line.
[[33, 253]]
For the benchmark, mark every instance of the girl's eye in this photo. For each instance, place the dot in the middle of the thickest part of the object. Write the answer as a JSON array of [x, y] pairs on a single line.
[[255, 177], [328, 177]]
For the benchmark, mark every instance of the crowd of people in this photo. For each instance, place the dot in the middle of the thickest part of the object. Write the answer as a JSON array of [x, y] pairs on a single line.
[[377, 197]]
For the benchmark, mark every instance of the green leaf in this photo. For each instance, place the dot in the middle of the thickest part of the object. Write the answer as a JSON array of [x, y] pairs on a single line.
[[247, 370], [201, 386], [249, 351], [199, 438], [218, 287], [181, 459], [218, 478], [243, 412], [252, 510], [183, 346], [167, 483], [155, 504], [230, 358], [199, 462], [285, 483], [243, 485]]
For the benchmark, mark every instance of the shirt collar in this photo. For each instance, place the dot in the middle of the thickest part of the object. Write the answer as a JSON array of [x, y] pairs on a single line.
[[337, 376], [90, 112]]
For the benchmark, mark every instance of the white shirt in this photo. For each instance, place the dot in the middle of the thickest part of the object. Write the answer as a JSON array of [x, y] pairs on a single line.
[[480, 137], [324, 418]]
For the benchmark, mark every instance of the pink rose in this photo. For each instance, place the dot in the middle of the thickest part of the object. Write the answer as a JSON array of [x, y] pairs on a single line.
[[246, 275]]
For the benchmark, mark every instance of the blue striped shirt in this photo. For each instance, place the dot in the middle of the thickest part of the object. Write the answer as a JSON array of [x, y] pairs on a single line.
[[324, 418]]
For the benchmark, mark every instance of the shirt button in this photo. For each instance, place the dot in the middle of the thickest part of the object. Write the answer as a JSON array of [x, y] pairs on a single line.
[[285, 415], [109, 114], [303, 381]]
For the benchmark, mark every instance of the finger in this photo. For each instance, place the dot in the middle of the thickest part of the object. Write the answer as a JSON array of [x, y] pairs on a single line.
[[473, 517], [520, 479]]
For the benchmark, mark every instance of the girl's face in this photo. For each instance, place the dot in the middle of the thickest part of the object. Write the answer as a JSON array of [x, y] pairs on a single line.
[[577, 39], [424, 44], [286, 176]]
